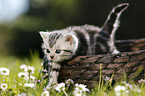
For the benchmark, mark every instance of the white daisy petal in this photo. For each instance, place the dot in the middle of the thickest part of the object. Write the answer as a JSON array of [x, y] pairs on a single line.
[[23, 66], [22, 94], [59, 87], [69, 81], [23, 75], [45, 93], [4, 71], [32, 78], [29, 69], [31, 85], [80, 90], [4, 86], [142, 81]]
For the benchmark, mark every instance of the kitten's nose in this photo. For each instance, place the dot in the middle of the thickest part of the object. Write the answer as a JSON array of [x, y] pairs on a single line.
[[51, 57]]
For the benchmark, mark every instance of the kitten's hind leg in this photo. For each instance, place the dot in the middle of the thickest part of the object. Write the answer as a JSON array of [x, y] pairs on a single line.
[[112, 23]]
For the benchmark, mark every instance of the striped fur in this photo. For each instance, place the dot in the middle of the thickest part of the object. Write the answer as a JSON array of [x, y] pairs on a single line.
[[53, 38], [66, 44]]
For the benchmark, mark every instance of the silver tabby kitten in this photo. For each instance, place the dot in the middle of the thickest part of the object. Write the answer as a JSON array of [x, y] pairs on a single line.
[[66, 44]]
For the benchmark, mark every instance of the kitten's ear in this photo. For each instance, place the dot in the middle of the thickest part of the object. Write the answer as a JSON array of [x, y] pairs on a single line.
[[43, 34], [69, 38]]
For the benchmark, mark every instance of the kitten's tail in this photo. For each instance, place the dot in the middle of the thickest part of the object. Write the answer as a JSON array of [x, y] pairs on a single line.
[[111, 25], [112, 22]]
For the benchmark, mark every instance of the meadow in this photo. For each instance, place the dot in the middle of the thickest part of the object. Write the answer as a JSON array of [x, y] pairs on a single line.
[[22, 77]]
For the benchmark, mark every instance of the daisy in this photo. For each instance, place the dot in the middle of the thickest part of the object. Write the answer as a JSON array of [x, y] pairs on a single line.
[[120, 90], [45, 93], [32, 78], [23, 75], [80, 90], [60, 87], [130, 87], [22, 94], [108, 79], [4, 86], [135, 88], [69, 81], [82, 87], [142, 81], [29, 70], [4, 71], [31, 85], [23, 66]]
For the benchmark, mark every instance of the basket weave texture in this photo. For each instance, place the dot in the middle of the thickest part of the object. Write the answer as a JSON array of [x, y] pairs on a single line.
[[86, 69]]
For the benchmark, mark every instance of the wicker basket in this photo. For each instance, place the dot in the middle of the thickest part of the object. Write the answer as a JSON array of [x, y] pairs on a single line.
[[86, 69]]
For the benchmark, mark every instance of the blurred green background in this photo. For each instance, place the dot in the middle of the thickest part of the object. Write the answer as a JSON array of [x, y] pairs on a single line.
[[20, 34]]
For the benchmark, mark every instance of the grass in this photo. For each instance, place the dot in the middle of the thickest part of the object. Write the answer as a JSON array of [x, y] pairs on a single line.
[[13, 85]]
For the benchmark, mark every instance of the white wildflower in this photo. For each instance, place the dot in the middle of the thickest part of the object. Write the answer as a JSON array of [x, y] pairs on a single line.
[[120, 90], [45, 93], [4, 86], [4, 71], [32, 78], [22, 94], [48, 87], [69, 81], [30, 70], [130, 87], [23, 75], [135, 88], [123, 82], [59, 87], [23, 66], [80, 90], [108, 79], [142, 81], [31, 85], [118, 93], [37, 81], [82, 87]]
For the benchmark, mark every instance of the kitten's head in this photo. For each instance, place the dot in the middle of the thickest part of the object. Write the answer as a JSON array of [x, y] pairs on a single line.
[[59, 46]]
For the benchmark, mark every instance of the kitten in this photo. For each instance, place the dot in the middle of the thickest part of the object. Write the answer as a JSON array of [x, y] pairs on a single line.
[[68, 43]]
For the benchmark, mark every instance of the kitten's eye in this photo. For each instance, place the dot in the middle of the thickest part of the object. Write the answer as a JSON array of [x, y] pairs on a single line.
[[57, 51], [47, 50]]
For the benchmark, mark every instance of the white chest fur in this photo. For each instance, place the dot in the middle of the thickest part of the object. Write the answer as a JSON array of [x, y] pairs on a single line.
[[53, 77]]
